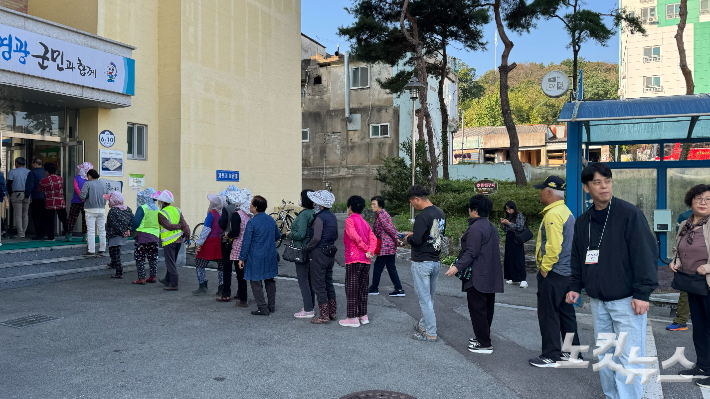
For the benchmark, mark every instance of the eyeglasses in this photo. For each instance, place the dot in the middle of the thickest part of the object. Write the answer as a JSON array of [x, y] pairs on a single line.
[[702, 200]]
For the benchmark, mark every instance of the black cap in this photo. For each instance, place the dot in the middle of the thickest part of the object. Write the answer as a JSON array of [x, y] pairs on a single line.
[[553, 182]]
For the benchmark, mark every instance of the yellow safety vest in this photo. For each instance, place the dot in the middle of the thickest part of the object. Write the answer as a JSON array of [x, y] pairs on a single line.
[[149, 224], [168, 237]]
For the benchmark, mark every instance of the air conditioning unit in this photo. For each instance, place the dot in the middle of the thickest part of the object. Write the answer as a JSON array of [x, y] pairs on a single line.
[[646, 59], [652, 20], [656, 58]]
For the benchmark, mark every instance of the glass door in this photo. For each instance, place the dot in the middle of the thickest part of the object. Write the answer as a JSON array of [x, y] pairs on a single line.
[[72, 155]]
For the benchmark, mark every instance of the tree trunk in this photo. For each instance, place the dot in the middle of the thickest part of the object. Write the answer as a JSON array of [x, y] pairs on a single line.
[[444, 116], [575, 70], [413, 38], [505, 101], [687, 74]]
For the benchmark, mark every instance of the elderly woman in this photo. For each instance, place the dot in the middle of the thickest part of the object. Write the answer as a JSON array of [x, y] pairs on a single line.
[[237, 224], [387, 234], [173, 231], [208, 244], [231, 195], [360, 244], [690, 261], [514, 263], [321, 255], [258, 256], [146, 235], [481, 274], [301, 232], [118, 227], [77, 205]]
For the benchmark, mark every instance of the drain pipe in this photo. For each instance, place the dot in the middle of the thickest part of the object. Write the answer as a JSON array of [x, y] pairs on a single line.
[[348, 118]]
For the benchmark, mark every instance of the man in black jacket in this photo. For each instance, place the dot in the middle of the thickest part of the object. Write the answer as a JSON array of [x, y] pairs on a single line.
[[618, 282]]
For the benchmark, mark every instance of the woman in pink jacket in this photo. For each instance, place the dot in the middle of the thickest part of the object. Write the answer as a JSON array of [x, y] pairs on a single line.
[[360, 244]]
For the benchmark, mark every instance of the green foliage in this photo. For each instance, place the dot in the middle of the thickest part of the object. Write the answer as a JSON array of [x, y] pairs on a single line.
[[469, 87], [396, 174], [528, 103]]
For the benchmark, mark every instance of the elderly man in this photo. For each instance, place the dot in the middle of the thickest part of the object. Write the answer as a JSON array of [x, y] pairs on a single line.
[[16, 180], [552, 256]]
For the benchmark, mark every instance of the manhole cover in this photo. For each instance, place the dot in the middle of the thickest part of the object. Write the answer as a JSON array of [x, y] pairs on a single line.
[[28, 320], [378, 395]]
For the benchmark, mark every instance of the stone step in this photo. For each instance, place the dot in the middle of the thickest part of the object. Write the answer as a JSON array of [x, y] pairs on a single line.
[[38, 266]]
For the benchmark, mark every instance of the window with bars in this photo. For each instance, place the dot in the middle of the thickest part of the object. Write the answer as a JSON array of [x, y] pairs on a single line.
[[652, 84], [359, 77], [305, 135], [648, 15], [380, 130], [137, 140]]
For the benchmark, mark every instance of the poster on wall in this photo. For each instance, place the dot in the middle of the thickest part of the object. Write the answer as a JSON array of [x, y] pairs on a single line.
[[111, 163], [136, 182], [113, 185]]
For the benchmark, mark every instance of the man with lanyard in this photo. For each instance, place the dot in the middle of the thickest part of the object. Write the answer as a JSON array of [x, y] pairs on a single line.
[[619, 285], [680, 322]]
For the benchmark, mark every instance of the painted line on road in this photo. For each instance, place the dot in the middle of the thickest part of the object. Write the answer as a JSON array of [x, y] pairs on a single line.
[[652, 390], [505, 305], [277, 277]]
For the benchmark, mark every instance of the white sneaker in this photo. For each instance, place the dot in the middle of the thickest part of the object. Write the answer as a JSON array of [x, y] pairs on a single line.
[[509, 281], [523, 284]]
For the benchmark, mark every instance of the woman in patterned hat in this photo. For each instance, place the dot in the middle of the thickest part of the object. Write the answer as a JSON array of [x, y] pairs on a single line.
[[77, 204], [208, 245], [146, 235], [237, 224], [321, 253], [173, 231], [118, 228]]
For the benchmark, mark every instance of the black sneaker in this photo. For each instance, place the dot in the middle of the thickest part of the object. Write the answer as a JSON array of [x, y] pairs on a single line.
[[88, 254], [704, 383], [397, 293], [272, 310], [542, 361], [476, 347], [695, 372], [371, 291], [259, 313]]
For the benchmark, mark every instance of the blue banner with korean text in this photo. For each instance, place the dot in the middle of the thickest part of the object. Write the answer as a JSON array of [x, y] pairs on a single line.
[[45, 57], [227, 175]]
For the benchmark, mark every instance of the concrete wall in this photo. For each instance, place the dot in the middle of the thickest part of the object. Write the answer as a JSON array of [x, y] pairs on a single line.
[[17, 5], [347, 159], [214, 85]]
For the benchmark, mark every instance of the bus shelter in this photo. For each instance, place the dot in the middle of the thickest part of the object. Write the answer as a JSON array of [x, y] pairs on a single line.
[[657, 147]]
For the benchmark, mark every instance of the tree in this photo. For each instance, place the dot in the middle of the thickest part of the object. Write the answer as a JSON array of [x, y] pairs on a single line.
[[379, 37], [504, 69], [581, 24], [687, 73], [469, 87]]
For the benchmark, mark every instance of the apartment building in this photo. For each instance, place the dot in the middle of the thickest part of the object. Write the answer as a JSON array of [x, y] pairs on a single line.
[[649, 65]]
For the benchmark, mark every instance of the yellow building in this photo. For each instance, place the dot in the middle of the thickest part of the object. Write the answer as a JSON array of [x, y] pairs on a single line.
[[186, 88]]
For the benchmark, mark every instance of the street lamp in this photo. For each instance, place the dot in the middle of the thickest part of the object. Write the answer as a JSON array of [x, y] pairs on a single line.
[[413, 86]]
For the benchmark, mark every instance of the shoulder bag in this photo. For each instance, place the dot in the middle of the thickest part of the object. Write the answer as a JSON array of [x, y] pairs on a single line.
[[293, 254], [521, 237], [691, 283]]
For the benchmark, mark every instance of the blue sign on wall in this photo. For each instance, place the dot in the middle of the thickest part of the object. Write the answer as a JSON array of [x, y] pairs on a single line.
[[228, 175]]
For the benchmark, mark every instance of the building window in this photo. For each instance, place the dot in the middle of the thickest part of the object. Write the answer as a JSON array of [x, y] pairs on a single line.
[[673, 11], [652, 84], [305, 135], [137, 141], [652, 54], [318, 80], [704, 7], [648, 15], [380, 130], [360, 77]]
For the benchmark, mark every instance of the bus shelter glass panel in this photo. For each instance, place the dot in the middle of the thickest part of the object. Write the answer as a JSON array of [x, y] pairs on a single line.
[[637, 186], [679, 181], [645, 129]]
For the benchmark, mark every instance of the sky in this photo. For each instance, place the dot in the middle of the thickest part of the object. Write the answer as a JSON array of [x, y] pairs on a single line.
[[320, 20]]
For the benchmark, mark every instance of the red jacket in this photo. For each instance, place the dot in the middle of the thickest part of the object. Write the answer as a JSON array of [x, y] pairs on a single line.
[[358, 239], [53, 186]]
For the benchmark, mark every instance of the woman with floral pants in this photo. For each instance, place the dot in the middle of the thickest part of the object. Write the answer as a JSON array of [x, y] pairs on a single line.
[[146, 233]]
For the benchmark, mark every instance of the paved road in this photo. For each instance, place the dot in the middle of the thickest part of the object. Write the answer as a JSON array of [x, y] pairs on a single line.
[[114, 339]]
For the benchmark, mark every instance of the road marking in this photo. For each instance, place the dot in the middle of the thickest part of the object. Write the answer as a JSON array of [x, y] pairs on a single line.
[[652, 390]]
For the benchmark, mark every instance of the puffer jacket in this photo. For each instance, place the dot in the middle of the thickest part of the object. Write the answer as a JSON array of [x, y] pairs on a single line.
[[359, 240]]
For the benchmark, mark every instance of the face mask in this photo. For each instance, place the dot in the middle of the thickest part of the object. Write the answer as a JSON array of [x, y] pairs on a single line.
[[299, 202]]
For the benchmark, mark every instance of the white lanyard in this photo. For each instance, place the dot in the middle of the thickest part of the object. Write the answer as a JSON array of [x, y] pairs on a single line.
[[589, 228]]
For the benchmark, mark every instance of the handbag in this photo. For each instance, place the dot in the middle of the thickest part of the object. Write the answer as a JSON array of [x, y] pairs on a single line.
[[329, 251], [378, 248], [521, 237], [690, 283], [293, 254]]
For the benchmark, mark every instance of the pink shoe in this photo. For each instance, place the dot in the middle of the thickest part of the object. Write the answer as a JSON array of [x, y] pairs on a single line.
[[304, 315], [354, 322], [364, 320]]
